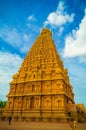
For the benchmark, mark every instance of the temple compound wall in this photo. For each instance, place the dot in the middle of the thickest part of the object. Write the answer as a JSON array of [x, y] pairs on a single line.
[[41, 88]]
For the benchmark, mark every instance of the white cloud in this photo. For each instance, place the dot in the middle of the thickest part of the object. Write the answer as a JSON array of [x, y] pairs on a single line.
[[20, 39], [10, 35], [31, 18], [26, 37], [9, 65], [59, 17], [83, 59], [61, 29], [16, 39], [75, 43], [77, 75], [8, 59]]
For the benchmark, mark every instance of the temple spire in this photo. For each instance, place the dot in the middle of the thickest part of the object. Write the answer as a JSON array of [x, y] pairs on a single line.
[[41, 87]]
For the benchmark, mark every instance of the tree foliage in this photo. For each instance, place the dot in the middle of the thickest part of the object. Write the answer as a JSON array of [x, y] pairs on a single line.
[[2, 103]]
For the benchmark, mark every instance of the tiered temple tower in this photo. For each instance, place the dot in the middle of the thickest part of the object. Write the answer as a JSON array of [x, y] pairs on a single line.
[[41, 89]]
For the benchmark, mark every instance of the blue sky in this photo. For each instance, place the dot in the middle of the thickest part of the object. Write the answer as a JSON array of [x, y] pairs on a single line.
[[21, 22]]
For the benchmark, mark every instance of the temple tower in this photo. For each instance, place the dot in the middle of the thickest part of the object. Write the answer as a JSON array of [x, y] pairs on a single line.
[[41, 89]]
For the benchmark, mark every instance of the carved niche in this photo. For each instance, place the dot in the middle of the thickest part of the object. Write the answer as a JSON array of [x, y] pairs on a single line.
[[26, 103], [12, 88], [36, 102], [46, 102], [18, 103], [57, 102]]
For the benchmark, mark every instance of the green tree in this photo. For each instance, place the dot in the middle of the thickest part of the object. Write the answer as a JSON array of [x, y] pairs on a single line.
[[2, 103]]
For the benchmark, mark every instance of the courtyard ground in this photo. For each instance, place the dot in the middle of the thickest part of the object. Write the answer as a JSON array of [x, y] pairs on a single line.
[[38, 126]]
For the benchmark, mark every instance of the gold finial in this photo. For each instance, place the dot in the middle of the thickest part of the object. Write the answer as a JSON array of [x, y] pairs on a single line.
[[46, 31]]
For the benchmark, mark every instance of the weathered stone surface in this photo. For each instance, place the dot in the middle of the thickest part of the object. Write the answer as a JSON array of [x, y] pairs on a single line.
[[41, 89]]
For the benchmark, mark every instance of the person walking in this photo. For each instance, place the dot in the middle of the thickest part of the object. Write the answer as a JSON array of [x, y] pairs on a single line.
[[74, 124], [10, 119], [71, 125]]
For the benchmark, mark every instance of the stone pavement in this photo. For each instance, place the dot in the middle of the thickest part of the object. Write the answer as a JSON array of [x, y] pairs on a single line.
[[38, 126]]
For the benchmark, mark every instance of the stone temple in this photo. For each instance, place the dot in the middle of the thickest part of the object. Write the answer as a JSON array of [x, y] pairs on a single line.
[[41, 89]]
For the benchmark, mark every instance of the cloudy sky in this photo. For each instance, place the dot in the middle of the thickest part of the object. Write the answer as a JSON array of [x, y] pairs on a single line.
[[21, 22]]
